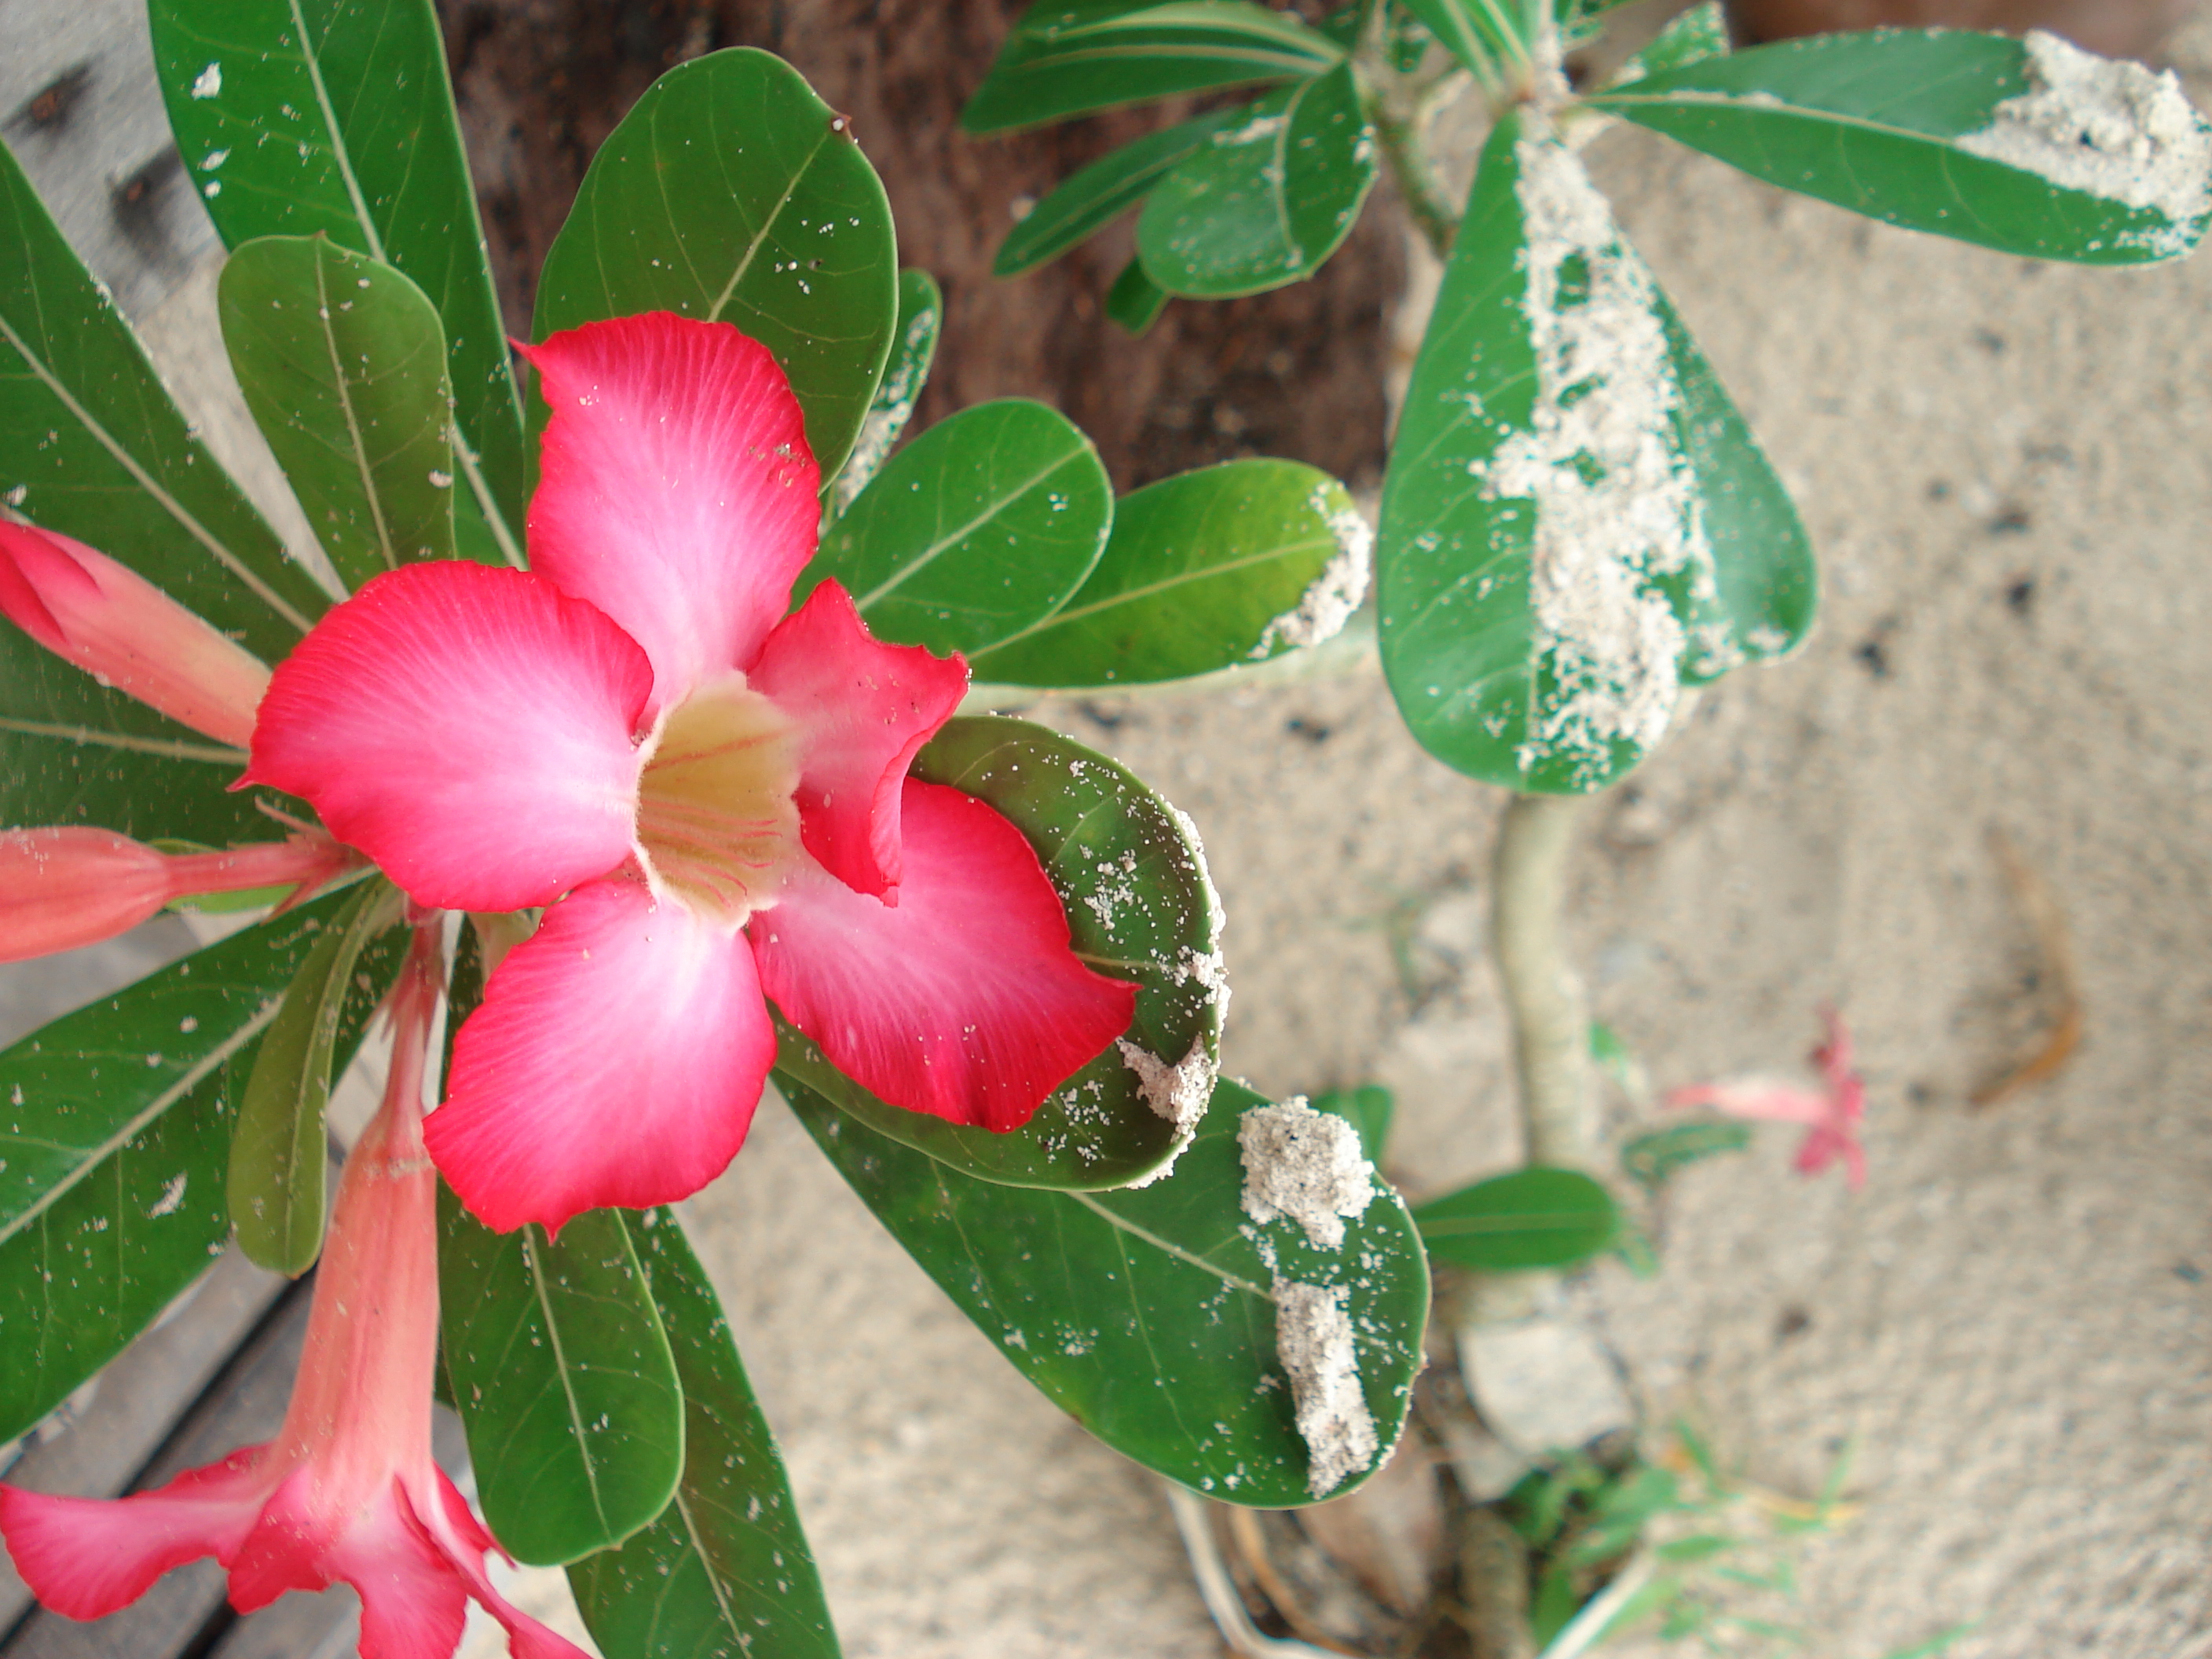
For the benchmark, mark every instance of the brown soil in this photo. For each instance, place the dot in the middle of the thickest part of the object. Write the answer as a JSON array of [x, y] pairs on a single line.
[[541, 82]]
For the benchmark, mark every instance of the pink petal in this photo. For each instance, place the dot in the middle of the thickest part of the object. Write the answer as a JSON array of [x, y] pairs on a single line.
[[87, 1556], [616, 1060], [965, 1001], [71, 886], [464, 1541], [864, 709], [676, 490], [414, 1601], [1755, 1098], [470, 729], [110, 622]]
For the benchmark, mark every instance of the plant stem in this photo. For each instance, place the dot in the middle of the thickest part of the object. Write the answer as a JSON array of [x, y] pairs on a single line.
[[1431, 214], [1543, 994]]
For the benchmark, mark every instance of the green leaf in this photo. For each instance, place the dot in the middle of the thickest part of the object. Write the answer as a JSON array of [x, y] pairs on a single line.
[[91, 446], [1368, 1108], [1129, 868], [1087, 202], [1133, 304], [1698, 33], [295, 117], [111, 1168], [730, 192], [1575, 521], [980, 528], [562, 1370], [1066, 59], [1230, 564], [1651, 1158], [277, 1150], [921, 312], [1266, 201], [2039, 149], [343, 362], [1482, 34], [1147, 1314], [1534, 1218], [727, 1567], [558, 1363]]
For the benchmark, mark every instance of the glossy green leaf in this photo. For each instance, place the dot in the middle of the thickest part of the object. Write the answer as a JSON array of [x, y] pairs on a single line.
[[1368, 1108], [2037, 149], [1482, 34], [117, 1134], [1147, 1314], [1133, 304], [90, 446], [563, 1373], [1534, 1218], [1575, 521], [725, 1571], [295, 117], [343, 362], [1698, 33], [731, 192], [1066, 59], [278, 1153], [921, 314], [1651, 1158], [558, 1363], [1266, 201], [1230, 564], [981, 527], [1140, 908], [1087, 202]]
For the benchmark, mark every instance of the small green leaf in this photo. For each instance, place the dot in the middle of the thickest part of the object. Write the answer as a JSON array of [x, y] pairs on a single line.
[[558, 1363], [1651, 1158], [726, 1567], [1140, 908], [981, 527], [1575, 523], [300, 117], [921, 312], [277, 1150], [1368, 1108], [730, 193], [1230, 564], [563, 1372], [1088, 201], [1698, 33], [2034, 148], [343, 362], [1148, 1314], [116, 1137], [1066, 59], [1266, 201], [1534, 1218], [1133, 304]]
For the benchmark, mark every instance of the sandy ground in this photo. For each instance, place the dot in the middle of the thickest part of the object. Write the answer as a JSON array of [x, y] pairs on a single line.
[[2003, 467]]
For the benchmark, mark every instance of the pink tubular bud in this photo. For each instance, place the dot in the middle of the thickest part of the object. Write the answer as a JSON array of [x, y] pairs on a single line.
[[114, 623], [71, 886]]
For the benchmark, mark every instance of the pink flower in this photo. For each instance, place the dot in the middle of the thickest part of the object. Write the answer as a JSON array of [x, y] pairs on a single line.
[[114, 624], [347, 1492], [710, 798], [62, 888], [1831, 1114]]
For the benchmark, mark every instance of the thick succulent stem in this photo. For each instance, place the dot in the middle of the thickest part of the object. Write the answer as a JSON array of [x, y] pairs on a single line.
[[1543, 993]]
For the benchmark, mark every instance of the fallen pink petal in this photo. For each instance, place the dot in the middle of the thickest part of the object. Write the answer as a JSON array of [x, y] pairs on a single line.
[[347, 1492], [1832, 1114]]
